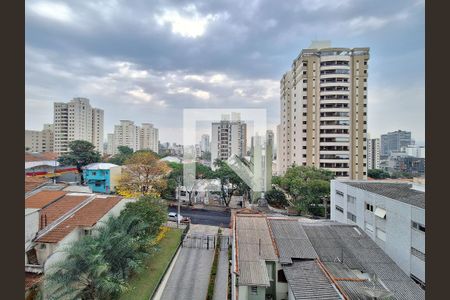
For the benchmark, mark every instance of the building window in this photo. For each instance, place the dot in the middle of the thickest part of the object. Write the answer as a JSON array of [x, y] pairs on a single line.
[[418, 226], [254, 290], [339, 193], [419, 254], [281, 276], [338, 208], [369, 207], [351, 199], [351, 217], [87, 232]]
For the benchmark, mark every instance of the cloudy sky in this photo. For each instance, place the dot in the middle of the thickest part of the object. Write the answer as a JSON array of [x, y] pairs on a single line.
[[147, 60]]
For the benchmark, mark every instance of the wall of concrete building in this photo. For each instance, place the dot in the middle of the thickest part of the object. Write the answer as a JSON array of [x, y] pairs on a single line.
[[399, 235], [31, 223]]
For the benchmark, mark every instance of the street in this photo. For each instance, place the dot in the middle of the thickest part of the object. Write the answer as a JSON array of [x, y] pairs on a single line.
[[205, 217]]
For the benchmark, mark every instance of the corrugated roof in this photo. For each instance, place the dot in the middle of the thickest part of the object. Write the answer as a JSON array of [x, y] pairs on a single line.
[[399, 191], [29, 156], [100, 166], [87, 216], [307, 281], [43, 198], [291, 240], [254, 248]]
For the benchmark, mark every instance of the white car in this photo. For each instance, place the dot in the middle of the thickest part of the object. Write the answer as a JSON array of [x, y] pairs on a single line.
[[173, 217]]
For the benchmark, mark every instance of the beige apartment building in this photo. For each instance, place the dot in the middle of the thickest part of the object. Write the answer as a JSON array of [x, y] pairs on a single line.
[[77, 120], [39, 140], [324, 111], [149, 137], [145, 137]]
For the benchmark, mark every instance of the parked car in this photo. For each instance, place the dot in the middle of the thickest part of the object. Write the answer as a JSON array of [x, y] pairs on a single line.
[[173, 217]]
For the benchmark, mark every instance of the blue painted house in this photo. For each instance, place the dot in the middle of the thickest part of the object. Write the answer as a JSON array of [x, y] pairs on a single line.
[[102, 177]]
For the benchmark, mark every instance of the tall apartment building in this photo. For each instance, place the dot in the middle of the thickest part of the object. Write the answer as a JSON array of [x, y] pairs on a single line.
[[204, 143], [394, 141], [324, 111], [39, 140], [229, 137], [77, 120], [110, 143], [126, 134], [149, 137], [373, 154]]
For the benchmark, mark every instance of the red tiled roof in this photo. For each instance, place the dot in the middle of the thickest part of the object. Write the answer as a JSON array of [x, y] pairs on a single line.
[[43, 198], [40, 156], [87, 216], [60, 207], [32, 183], [31, 279]]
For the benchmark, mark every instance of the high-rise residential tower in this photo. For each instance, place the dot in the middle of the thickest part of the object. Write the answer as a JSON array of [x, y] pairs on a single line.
[[77, 120], [324, 111], [149, 137], [126, 134], [204, 143], [373, 154], [229, 137], [394, 141]]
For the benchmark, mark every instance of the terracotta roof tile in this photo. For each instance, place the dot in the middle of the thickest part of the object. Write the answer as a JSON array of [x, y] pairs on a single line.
[[32, 183], [32, 279], [62, 206], [40, 156], [87, 216], [43, 198]]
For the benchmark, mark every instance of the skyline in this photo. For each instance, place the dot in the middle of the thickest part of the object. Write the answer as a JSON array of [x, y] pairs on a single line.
[[146, 62]]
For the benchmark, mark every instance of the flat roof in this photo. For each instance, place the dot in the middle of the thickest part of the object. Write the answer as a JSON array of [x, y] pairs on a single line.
[[403, 192]]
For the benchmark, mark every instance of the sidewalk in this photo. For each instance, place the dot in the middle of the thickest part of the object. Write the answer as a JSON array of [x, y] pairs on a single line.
[[221, 284]]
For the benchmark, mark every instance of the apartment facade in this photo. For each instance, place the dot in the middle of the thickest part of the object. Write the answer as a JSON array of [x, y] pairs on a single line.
[[373, 154], [229, 137], [126, 134], [77, 120], [149, 137], [204, 143], [392, 214], [323, 109], [394, 141], [40, 140]]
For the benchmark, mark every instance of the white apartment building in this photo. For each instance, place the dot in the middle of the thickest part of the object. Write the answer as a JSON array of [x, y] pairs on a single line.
[[414, 150], [149, 137], [392, 214], [324, 111], [77, 120], [126, 134], [229, 137], [110, 143], [39, 140], [373, 154]]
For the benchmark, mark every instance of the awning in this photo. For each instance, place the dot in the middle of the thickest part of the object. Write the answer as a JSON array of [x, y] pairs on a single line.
[[379, 212]]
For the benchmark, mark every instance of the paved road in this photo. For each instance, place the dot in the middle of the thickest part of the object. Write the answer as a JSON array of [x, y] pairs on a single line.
[[206, 217], [221, 284]]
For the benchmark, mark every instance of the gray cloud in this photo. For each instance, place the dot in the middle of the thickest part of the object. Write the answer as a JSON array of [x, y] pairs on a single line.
[[146, 61]]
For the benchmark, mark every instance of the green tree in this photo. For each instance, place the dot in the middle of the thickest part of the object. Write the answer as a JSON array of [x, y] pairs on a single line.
[[276, 198], [230, 182], [152, 211], [81, 154], [125, 153], [377, 174], [83, 274], [309, 187]]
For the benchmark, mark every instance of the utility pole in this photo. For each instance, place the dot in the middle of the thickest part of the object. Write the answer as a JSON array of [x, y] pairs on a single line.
[[178, 198]]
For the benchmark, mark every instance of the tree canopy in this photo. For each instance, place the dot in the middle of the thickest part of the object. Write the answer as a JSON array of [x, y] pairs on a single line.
[[230, 182], [308, 187], [125, 153], [143, 174], [377, 174], [81, 154]]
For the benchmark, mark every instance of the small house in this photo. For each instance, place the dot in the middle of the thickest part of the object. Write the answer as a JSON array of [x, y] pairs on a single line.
[[102, 177]]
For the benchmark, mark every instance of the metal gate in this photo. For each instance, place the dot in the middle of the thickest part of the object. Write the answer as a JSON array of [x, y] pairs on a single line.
[[200, 241]]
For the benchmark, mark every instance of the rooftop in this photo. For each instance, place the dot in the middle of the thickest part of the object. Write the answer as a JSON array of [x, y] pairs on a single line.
[[100, 166], [348, 259], [87, 216], [32, 183], [403, 192], [58, 208], [34, 156], [254, 247], [43, 198]]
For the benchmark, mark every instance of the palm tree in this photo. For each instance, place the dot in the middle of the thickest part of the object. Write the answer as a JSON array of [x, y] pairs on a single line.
[[83, 274]]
